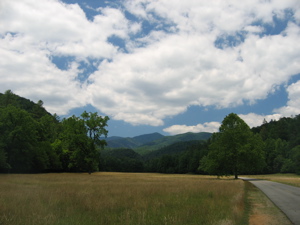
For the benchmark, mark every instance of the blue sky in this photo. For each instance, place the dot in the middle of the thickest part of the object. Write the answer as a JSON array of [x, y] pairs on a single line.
[[154, 65]]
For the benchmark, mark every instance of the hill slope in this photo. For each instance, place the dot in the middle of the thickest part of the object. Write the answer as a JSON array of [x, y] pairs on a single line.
[[119, 142], [149, 142], [36, 110], [175, 148]]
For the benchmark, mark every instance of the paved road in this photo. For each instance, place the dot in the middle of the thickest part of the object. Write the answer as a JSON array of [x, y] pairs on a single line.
[[286, 197]]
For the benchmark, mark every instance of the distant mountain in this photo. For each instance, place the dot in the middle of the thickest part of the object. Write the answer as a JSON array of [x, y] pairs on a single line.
[[146, 143], [175, 148], [119, 142], [168, 140], [146, 138]]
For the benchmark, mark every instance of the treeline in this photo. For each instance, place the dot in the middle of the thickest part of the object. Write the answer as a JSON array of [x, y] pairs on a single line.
[[281, 151], [282, 145], [32, 140], [180, 157]]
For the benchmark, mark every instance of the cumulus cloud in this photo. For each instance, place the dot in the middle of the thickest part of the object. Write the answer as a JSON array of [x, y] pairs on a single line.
[[293, 105], [30, 73], [172, 71], [252, 119], [183, 70], [206, 53], [255, 120], [205, 127], [32, 32]]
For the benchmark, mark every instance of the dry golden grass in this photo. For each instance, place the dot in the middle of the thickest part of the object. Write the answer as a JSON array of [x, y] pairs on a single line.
[[291, 179], [120, 198]]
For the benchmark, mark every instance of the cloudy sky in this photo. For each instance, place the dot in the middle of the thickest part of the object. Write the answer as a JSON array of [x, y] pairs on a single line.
[[154, 65]]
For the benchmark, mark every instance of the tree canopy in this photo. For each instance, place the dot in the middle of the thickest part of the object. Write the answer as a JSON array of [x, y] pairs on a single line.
[[234, 149], [33, 140], [80, 138]]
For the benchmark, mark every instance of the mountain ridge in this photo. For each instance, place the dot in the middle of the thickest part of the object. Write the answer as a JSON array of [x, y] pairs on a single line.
[[146, 143]]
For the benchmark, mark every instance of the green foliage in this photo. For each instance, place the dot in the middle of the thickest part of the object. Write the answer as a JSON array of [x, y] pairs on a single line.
[[234, 150], [80, 138], [295, 158], [19, 138], [281, 139], [169, 140], [35, 110], [121, 160], [33, 140], [119, 142], [181, 157], [4, 166]]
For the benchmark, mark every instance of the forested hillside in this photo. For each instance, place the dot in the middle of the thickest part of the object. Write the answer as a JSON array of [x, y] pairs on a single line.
[[119, 142], [282, 144], [35, 110], [180, 157], [281, 152], [169, 140], [146, 143], [33, 140]]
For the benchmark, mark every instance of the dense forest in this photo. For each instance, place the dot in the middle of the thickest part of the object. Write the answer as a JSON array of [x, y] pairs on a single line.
[[32, 140], [280, 146]]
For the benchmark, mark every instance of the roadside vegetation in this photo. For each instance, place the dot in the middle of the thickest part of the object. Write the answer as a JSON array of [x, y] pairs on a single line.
[[287, 178], [262, 210], [120, 198]]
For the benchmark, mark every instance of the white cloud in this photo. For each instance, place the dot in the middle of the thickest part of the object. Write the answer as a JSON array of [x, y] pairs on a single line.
[[255, 120], [293, 105], [174, 66], [30, 73], [254, 29], [63, 29], [31, 32], [252, 119], [205, 127], [166, 77]]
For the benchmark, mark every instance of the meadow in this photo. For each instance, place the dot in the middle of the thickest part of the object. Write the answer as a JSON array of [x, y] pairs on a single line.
[[121, 198]]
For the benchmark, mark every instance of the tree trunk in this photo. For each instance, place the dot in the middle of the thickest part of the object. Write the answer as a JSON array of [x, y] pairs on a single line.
[[236, 176]]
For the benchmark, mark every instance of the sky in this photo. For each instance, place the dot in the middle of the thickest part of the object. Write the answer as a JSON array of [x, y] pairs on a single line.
[[154, 65]]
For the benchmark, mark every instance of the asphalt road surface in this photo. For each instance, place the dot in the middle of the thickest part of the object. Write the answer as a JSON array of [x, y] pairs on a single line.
[[285, 197]]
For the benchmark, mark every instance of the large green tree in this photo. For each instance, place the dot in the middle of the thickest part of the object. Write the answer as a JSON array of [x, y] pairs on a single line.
[[234, 149], [80, 140]]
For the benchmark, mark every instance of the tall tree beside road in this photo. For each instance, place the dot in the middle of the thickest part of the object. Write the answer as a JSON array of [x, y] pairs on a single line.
[[234, 149]]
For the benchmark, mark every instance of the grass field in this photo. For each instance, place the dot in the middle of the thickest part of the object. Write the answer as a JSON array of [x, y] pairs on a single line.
[[120, 198]]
